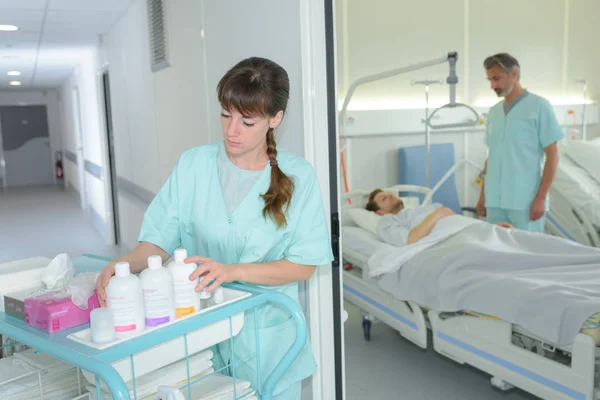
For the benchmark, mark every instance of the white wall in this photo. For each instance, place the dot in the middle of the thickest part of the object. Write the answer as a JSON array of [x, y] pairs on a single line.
[[85, 78], [48, 98], [156, 116], [553, 40]]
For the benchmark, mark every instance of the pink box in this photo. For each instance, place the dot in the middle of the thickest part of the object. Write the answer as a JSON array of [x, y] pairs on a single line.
[[54, 311]]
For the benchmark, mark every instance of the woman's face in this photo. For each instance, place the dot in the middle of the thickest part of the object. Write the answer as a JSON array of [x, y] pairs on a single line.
[[244, 134]]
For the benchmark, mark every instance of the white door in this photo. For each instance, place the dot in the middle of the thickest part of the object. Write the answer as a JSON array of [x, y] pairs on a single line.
[[25, 146], [79, 138]]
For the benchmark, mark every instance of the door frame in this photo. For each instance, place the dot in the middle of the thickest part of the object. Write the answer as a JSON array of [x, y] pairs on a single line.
[[109, 168], [317, 27], [77, 121]]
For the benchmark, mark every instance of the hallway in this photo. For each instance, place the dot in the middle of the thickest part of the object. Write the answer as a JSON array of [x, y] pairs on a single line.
[[46, 221]]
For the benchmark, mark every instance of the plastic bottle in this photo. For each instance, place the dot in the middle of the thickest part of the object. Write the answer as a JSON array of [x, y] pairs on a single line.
[[205, 297], [157, 286], [186, 299], [217, 296], [124, 297]]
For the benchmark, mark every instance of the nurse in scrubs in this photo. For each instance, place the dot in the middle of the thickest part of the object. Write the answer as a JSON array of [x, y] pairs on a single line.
[[247, 211], [521, 135]]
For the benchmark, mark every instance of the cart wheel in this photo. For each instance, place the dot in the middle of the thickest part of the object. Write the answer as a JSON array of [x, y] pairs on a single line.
[[367, 329]]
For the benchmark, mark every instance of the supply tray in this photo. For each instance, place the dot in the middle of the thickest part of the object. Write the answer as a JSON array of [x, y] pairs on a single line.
[[125, 359]]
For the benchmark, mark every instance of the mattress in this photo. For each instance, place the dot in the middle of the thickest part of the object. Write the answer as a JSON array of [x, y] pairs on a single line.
[[579, 186], [363, 244]]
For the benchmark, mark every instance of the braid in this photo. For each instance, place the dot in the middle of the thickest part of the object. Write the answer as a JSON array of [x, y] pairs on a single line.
[[271, 146], [278, 197]]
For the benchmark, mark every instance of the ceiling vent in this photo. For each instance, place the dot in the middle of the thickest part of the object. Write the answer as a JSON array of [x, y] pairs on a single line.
[[159, 44]]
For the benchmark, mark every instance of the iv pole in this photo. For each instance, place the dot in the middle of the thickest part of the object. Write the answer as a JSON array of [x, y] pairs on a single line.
[[427, 83], [452, 80]]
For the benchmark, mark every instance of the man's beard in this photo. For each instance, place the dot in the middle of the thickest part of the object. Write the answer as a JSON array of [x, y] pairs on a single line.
[[399, 206], [505, 92]]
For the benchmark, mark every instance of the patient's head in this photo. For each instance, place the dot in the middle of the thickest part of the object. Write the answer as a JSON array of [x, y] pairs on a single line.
[[384, 202]]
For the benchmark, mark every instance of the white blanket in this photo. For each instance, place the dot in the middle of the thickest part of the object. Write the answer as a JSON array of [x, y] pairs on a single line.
[[546, 284]]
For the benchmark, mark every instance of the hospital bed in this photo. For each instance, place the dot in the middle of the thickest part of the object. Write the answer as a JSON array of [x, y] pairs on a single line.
[[574, 198], [510, 354]]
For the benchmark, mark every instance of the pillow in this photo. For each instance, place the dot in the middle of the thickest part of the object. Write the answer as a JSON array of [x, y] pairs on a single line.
[[410, 202], [346, 217], [365, 219], [586, 155]]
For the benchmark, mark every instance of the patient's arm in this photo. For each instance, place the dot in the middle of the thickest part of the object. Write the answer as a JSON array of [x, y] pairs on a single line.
[[425, 227]]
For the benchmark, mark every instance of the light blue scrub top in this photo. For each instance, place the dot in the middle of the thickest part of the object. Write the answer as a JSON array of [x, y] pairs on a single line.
[[516, 143], [190, 212]]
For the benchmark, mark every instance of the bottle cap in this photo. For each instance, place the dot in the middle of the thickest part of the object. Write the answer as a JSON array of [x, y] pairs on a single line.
[[154, 262], [180, 255], [122, 269]]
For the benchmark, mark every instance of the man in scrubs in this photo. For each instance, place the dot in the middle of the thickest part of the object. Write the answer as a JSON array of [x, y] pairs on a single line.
[[521, 136]]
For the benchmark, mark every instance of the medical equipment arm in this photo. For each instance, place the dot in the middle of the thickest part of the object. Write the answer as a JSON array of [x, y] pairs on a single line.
[[425, 227], [384, 75]]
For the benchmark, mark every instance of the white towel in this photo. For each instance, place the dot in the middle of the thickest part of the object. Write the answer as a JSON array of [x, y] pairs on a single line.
[[169, 375], [59, 380], [148, 391], [218, 387]]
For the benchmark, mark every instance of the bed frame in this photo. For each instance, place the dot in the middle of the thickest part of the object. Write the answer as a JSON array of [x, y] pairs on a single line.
[[486, 344], [567, 220]]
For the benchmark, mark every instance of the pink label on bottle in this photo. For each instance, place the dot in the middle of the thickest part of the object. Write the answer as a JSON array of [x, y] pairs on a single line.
[[157, 321], [124, 328]]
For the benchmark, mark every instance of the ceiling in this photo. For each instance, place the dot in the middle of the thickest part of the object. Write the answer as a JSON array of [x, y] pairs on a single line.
[[51, 37]]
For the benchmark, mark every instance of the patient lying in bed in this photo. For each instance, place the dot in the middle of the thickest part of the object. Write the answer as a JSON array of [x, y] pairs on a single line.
[[546, 284], [401, 226]]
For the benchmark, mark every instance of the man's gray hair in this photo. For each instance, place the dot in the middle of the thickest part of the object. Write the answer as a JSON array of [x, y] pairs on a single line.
[[505, 61]]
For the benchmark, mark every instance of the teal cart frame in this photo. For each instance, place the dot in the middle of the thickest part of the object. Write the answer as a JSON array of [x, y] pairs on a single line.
[[98, 361]]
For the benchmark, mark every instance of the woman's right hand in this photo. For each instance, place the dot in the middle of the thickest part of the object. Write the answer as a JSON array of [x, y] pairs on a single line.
[[103, 280]]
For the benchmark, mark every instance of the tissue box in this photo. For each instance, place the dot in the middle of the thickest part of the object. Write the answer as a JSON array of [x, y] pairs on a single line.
[[54, 311], [14, 303]]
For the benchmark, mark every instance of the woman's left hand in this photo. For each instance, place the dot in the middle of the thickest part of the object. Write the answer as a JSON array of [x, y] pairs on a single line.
[[212, 271]]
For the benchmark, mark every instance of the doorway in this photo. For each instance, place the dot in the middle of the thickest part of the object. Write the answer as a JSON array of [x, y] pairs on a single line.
[[25, 146]]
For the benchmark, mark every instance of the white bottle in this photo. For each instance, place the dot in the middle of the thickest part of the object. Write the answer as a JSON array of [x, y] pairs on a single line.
[[124, 297], [157, 286], [187, 300]]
